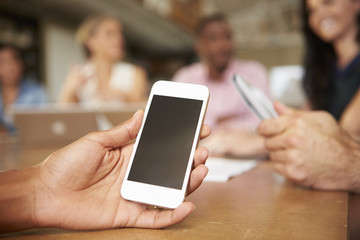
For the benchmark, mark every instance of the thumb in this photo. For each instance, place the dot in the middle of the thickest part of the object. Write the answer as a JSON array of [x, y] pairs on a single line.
[[122, 134], [281, 108]]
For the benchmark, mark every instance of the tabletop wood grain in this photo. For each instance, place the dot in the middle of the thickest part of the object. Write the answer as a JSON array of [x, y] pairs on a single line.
[[256, 205]]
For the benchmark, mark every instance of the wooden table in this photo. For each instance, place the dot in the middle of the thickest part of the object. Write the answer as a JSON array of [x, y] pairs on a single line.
[[256, 205]]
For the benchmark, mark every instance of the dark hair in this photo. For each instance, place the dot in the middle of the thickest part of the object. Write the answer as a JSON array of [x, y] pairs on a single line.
[[319, 62], [205, 21]]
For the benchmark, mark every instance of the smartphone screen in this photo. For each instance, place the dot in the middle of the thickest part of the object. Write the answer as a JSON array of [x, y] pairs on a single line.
[[166, 140]]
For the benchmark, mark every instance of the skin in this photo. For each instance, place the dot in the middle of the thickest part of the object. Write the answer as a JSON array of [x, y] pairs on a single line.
[[349, 119], [311, 149], [235, 143], [107, 42], [11, 71], [106, 45], [78, 187], [334, 21], [215, 47]]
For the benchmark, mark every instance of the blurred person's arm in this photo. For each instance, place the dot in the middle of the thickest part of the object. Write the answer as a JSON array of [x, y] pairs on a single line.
[[73, 81], [140, 86], [350, 118], [235, 143], [78, 187], [310, 148]]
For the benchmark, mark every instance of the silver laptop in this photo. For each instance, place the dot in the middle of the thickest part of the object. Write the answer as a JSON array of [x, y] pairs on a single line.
[[61, 126]]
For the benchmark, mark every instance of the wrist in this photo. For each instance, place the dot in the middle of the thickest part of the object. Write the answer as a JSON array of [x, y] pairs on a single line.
[[355, 186], [17, 199], [352, 168]]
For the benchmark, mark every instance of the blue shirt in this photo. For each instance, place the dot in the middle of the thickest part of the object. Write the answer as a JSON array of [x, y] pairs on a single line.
[[31, 93], [346, 82]]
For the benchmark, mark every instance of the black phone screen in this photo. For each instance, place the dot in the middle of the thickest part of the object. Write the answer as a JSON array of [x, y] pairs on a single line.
[[165, 144]]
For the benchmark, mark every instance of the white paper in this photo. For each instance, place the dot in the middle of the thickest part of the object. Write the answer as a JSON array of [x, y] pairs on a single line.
[[222, 169]]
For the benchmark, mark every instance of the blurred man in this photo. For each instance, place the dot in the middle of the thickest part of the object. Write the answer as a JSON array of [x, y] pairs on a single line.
[[227, 113], [311, 149]]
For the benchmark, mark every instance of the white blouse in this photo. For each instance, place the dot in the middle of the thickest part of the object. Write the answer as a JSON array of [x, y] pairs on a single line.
[[122, 78]]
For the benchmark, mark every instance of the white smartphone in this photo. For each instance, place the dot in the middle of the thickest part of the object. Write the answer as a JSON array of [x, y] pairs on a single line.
[[258, 102], [162, 158]]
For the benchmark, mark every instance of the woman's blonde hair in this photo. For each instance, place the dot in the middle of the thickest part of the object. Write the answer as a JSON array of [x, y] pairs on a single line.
[[88, 27]]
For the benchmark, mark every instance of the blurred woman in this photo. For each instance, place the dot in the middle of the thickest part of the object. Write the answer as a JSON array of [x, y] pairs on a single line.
[[103, 79], [332, 59], [15, 88]]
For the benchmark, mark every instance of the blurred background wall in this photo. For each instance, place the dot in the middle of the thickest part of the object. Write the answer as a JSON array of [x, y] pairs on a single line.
[[159, 34]]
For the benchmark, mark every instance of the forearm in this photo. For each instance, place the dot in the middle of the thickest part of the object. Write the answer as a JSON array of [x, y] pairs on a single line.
[[16, 200], [354, 166], [69, 88], [67, 96], [350, 118], [140, 87]]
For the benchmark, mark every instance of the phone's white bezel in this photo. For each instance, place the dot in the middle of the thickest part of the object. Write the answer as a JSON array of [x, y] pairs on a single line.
[[255, 99], [158, 195]]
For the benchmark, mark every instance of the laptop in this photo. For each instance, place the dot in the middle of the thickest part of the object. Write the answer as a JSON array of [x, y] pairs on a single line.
[[60, 126]]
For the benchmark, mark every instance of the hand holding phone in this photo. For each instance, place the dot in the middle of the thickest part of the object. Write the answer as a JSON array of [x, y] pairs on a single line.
[[255, 99], [162, 157]]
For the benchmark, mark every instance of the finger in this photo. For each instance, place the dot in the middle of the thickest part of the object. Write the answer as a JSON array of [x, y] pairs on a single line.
[[205, 131], [121, 134], [278, 156], [270, 127], [278, 125], [164, 218], [200, 156], [287, 156], [279, 168], [281, 142], [281, 108], [197, 177]]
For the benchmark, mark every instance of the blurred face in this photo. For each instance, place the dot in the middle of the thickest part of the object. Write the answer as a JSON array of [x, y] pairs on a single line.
[[331, 20], [107, 41], [11, 67], [215, 44]]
